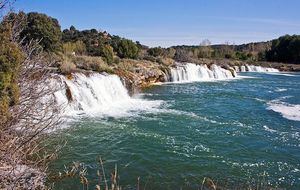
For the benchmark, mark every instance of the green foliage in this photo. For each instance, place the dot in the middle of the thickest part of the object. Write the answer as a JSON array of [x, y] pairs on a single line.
[[103, 44], [241, 55], [204, 52], [285, 49], [10, 60], [106, 51], [223, 51], [156, 51], [127, 49], [261, 56], [44, 29]]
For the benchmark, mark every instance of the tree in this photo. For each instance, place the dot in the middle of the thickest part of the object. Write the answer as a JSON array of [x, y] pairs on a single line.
[[43, 28], [71, 35], [241, 55], [107, 53], [285, 49], [182, 55], [127, 49], [156, 51], [204, 50]]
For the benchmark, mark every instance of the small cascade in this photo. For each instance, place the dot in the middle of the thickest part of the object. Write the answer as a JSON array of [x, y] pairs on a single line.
[[243, 68], [191, 72], [236, 68], [97, 94], [253, 68]]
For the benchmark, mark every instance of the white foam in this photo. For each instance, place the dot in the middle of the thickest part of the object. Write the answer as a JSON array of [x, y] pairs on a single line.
[[283, 74], [190, 72], [253, 68], [288, 111], [100, 95], [280, 90], [243, 69], [269, 130]]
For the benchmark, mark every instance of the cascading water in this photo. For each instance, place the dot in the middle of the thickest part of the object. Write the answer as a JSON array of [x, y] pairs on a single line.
[[236, 68], [191, 72], [98, 94], [243, 69], [252, 68]]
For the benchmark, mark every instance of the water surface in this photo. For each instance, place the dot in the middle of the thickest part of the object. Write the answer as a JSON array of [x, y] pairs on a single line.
[[237, 132]]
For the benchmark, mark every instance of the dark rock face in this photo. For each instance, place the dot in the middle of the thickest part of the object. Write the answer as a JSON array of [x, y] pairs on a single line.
[[68, 93]]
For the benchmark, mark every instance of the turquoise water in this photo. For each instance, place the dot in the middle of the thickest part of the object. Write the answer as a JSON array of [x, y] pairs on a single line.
[[225, 130]]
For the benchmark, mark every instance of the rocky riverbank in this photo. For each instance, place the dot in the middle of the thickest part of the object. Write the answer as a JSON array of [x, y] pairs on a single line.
[[140, 74]]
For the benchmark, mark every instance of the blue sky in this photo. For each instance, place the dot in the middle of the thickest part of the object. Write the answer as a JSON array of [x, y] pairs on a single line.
[[176, 22]]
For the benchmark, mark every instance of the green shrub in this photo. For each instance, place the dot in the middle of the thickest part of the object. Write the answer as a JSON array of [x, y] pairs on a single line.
[[10, 60], [107, 53], [285, 49], [127, 49], [44, 29], [156, 51]]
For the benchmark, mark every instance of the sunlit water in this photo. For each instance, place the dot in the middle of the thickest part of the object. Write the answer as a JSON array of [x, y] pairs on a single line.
[[237, 132]]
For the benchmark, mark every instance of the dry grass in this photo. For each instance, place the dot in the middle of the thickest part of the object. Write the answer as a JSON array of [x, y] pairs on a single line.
[[126, 65], [79, 170], [67, 66], [91, 63]]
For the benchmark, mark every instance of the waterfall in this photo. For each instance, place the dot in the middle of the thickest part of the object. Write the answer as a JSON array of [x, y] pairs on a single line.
[[191, 72], [243, 68], [252, 68], [98, 94], [236, 68]]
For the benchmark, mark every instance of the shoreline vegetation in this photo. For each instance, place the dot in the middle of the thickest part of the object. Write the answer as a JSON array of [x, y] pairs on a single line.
[[33, 47]]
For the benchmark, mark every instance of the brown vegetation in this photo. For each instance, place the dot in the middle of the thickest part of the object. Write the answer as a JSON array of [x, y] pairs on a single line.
[[23, 155], [91, 63]]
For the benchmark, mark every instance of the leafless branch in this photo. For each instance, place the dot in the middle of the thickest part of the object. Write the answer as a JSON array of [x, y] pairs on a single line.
[[23, 156]]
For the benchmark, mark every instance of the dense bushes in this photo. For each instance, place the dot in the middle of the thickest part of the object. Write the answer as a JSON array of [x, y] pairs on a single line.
[[106, 51], [156, 51], [44, 29], [10, 59], [102, 44], [127, 49], [285, 49]]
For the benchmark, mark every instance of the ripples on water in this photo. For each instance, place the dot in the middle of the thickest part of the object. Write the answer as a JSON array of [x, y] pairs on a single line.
[[236, 132]]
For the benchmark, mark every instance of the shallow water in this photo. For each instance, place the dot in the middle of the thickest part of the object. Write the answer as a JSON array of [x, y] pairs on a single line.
[[236, 132]]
